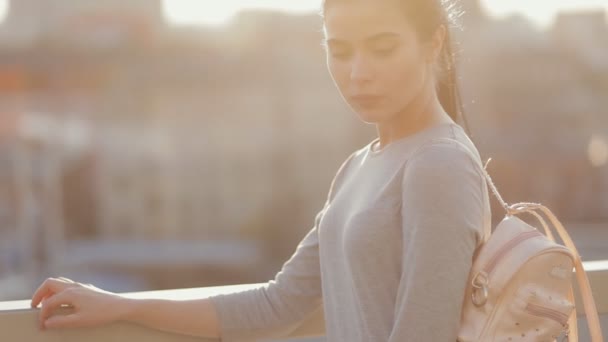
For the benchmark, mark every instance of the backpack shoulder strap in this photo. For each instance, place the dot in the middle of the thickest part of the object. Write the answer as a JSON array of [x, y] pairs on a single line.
[[589, 307]]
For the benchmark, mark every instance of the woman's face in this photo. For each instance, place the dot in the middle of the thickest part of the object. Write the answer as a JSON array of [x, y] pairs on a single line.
[[374, 57]]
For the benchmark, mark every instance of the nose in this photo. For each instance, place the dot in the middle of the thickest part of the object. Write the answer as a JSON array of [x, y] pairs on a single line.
[[360, 69]]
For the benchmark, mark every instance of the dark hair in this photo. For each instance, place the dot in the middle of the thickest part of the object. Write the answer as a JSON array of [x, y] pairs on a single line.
[[426, 16]]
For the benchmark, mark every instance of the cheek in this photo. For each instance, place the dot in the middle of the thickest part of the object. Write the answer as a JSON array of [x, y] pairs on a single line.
[[403, 73], [339, 72]]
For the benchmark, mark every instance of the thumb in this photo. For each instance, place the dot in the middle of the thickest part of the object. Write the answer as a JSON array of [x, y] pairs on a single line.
[[62, 321]]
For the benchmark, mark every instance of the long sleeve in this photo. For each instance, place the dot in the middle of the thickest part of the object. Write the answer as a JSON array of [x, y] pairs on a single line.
[[275, 309], [442, 221], [280, 305]]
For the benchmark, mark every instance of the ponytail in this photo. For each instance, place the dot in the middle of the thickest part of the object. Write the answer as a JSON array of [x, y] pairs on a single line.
[[448, 89]]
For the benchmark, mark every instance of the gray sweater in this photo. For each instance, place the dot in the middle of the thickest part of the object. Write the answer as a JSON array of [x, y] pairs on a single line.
[[389, 253]]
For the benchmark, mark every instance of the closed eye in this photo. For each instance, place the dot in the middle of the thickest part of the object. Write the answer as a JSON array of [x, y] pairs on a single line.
[[384, 52], [383, 47], [339, 51], [340, 54]]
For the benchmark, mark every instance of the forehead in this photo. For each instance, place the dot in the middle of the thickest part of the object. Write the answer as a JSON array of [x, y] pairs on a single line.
[[357, 20]]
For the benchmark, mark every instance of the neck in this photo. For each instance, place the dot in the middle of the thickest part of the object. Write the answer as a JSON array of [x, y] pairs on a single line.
[[424, 111]]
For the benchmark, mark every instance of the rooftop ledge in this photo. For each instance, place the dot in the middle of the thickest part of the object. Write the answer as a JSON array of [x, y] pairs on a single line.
[[18, 322]]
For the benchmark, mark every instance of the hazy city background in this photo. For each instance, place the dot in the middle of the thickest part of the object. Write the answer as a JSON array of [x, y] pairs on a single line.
[[136, 154]]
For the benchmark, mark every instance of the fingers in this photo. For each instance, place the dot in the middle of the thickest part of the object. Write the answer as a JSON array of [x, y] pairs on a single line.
[[42, 292], [62, 321], [49, 287], [52, 303]]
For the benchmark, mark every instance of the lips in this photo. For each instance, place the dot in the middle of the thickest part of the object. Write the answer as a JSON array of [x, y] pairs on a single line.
[[365, 100]]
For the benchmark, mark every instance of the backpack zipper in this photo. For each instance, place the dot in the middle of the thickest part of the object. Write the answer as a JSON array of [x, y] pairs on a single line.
[[543, 311], [490, 266]]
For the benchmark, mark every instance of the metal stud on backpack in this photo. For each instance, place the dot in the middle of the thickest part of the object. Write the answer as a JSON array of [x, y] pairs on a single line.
[[520, 284]]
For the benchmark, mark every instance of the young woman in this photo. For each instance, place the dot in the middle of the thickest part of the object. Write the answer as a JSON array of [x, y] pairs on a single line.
[[390, 252]]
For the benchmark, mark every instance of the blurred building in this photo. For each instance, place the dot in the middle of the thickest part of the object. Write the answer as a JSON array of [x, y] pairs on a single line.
[[87, 23]]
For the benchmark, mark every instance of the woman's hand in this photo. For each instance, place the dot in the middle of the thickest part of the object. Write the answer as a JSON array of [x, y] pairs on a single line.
[[88, 305]]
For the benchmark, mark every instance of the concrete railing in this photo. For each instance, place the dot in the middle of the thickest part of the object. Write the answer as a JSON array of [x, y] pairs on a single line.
[[18, 322]]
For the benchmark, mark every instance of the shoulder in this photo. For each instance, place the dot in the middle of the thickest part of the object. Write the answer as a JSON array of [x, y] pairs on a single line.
[[444, 165], [352, 161], [445, 155]]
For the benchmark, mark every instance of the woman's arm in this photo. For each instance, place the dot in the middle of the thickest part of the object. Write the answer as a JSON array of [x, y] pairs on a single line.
[[92, 306], [196, 317], [271, 310]]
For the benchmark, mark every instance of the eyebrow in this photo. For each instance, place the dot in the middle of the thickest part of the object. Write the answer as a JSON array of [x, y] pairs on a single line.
[[378, 36]]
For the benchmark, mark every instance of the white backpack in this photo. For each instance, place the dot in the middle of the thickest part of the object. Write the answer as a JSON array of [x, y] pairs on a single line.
[[520, 285]]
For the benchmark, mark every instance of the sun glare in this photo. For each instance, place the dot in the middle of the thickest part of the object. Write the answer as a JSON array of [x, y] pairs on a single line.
[[541, 12], [187, 12], [3, 9], [215, 12]]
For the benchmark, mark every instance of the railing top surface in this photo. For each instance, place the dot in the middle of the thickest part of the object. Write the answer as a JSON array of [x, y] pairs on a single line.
[[594, 268]]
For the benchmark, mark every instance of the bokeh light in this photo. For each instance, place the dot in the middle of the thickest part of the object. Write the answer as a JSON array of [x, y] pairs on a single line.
[[598, 150]]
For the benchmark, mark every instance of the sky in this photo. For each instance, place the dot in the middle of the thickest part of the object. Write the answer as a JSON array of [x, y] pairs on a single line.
[[216, 12]]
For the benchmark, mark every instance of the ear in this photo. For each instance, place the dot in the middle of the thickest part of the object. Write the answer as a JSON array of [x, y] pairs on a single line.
[[436, 43]]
